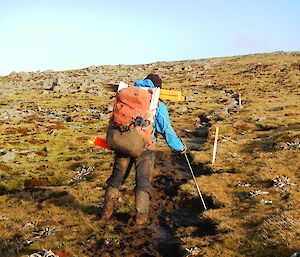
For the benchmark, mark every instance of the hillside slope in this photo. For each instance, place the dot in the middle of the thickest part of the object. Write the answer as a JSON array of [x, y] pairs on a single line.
[[52, 180]]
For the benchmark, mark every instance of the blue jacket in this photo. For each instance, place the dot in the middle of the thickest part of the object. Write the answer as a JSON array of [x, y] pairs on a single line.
[[162, 122]]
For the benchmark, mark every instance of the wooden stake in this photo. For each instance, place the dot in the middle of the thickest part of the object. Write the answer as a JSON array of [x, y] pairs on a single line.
[[215, 146], [240, 99]]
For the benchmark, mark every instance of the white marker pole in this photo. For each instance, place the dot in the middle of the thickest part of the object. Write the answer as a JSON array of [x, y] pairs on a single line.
[[240, 99], [199, 192], [215, 146]]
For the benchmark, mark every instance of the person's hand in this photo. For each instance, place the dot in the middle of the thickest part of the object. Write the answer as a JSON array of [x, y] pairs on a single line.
[[184, 150]]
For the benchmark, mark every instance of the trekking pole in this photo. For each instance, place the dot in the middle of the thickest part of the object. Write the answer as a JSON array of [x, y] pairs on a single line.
[[199, 192]]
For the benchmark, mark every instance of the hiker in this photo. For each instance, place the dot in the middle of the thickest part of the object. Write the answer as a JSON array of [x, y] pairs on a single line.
[[144, 161]]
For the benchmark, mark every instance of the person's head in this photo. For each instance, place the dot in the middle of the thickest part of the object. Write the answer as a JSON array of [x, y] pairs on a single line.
[[156, 80]]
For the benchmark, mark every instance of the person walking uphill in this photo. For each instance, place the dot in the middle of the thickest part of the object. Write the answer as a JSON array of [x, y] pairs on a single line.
[[132, 134]]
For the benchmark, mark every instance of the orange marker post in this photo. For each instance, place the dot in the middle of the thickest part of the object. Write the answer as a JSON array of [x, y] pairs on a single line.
[[215, 146]]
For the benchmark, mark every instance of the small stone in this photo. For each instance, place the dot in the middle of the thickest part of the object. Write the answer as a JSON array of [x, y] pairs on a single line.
[[267, 202], [68, 119], [242, 184], [182, 109], [3, 217], [9, 156], [25, 243]]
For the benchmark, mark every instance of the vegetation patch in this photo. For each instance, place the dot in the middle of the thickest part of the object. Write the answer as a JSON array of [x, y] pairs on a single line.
[[52, 180]]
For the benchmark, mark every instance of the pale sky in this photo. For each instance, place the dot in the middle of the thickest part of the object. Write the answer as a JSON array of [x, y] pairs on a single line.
[[73, 34]]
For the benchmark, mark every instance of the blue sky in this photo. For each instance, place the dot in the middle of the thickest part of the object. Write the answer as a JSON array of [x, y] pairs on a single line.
[[70, 34]]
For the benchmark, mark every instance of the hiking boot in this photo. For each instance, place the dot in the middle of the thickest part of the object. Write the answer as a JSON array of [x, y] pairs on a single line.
[[141, 218], [111, 195], [142, 201]]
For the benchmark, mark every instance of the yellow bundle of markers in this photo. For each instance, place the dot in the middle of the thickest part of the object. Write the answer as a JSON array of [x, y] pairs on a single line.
[[171, 95]]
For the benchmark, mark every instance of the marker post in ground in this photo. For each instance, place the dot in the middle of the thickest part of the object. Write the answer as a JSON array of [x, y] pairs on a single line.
[[215, 146], [240, 99]]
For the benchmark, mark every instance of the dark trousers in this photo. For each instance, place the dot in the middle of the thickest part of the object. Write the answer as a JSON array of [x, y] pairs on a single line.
[[143, 164]]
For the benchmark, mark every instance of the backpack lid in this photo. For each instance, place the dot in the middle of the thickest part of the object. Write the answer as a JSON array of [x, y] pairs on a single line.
[[146, 85]]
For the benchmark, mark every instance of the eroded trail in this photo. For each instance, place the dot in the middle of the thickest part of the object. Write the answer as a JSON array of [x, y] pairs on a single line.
[[170, 210]]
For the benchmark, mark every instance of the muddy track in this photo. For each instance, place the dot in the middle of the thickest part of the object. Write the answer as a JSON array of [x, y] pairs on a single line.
[[169, 211]]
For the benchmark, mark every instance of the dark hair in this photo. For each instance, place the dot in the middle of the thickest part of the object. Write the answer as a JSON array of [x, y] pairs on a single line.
[[155, 79]]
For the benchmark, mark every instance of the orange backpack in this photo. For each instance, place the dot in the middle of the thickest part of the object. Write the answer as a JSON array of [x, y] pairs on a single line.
[[131, 124]]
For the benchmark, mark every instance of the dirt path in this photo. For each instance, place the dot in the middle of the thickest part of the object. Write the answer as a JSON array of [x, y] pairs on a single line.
[[169, 211]]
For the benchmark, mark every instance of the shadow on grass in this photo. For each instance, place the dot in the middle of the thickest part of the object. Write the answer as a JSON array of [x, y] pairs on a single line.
[[13, 246], [256, 246], [59, 198], [269, 142]]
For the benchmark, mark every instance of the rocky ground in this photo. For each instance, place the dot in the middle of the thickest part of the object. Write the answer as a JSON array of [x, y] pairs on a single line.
[[52, 180]]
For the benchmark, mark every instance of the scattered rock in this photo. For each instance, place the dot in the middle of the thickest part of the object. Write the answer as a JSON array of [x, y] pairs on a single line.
[[81, 173], [52, 85], [30, 224], [226, 138], [13, 74], [190, 98], [8, 114], [282, 183], [68, 119], [24, 75], [3, 218], [232, 109], [44, 253], [254, 193], [25, 243], [9, 156], [295, 145], [109, 241], [242, 184], [182, 110], [194, 251], [267, 202], [45, 232]]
